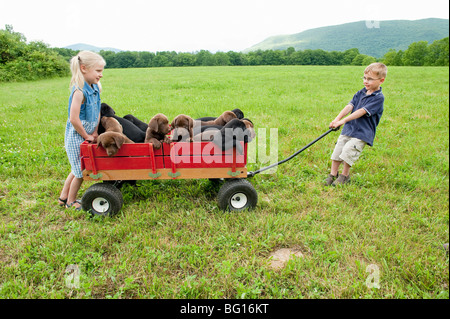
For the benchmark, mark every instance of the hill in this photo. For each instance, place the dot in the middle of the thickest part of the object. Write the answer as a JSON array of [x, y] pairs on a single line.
[[83, 46], [371, 38]]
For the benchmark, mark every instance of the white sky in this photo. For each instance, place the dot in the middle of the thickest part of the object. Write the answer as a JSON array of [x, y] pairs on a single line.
[[193, 25]]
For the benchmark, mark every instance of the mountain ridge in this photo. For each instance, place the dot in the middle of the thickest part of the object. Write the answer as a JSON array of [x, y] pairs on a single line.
[[373, 38], [88, 47]]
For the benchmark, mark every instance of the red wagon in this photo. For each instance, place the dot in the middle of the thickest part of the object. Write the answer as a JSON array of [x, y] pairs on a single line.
[[178, 160]]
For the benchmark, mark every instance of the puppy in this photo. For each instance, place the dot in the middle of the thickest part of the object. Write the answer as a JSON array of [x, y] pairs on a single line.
[[112, 142], [110, 124], [250, 128], [158, 128], [238, 112], [142, 125], [133, 132], [229, 135], [199, 129], [223, 119], [182, 127]]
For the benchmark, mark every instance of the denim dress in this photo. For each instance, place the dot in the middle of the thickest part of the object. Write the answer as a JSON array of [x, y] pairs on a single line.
[[89, 116]]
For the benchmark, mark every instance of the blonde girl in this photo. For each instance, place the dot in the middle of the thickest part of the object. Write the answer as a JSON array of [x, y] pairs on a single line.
[[83, 118]]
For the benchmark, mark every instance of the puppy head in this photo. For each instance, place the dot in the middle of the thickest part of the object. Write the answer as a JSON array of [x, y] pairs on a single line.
[[182, 126], [106, 110], [242, 130], [111, 142], [226, 117], [239, 113], [159, 124]]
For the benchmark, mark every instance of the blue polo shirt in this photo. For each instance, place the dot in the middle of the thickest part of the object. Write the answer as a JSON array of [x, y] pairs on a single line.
[[365, 127]]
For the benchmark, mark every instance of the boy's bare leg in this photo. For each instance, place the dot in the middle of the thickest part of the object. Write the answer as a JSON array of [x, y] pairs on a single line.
[[346, 169], [335, 167]]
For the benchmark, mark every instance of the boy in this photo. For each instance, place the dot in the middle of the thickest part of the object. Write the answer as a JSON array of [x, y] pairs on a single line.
[[366, 109]]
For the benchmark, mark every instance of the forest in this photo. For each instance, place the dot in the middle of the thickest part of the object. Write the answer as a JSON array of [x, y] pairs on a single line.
[[418, 54]]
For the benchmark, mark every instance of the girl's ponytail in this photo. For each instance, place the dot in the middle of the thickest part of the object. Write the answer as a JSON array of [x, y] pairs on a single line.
[[77, 80]]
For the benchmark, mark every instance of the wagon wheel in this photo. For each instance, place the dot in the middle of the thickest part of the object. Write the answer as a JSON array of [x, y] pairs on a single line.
[[102, 199], [237, 195]]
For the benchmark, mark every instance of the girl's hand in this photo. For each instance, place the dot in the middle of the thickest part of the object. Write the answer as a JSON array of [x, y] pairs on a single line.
[[95, 135], [90, 139]]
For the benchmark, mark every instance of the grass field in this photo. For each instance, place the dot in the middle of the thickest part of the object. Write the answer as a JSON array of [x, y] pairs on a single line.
[[171, 241]]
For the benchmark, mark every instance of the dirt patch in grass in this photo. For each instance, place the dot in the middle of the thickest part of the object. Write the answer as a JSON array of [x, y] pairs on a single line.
[[280, 257]]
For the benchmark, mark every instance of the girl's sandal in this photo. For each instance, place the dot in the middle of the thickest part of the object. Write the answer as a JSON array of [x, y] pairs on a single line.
[[73, 203], [62, 202]]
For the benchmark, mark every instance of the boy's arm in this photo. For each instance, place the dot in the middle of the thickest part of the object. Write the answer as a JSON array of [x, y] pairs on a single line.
[[347, 109], [339, 121]]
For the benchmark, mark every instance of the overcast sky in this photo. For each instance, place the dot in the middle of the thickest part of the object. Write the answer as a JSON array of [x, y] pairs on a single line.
[[193, 25]]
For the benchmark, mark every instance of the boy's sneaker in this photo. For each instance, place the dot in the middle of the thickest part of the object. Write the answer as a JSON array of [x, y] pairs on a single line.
[[341, 180], [330, 179]]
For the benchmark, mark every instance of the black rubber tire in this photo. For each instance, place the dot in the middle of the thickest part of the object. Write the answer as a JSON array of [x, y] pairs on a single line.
[[102, 199], [237, 195]]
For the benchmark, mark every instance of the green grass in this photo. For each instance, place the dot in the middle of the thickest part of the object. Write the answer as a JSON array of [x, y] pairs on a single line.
[[171, 241]]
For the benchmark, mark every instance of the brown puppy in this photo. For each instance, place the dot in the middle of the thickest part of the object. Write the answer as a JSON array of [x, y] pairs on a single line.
[[182, 127], [250, 127], [223, 119], [157, 129], [112, 142], [111, 124]]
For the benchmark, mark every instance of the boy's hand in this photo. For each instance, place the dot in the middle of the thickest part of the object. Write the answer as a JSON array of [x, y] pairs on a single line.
[[336, 124]]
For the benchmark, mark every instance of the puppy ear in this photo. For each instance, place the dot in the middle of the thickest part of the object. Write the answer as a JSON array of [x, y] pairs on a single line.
[[172, 125], [119, 140], [153, 125], [99, 140], [191, 128]]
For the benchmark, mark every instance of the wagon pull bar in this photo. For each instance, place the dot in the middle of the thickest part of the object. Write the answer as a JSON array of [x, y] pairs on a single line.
[[251, 174]]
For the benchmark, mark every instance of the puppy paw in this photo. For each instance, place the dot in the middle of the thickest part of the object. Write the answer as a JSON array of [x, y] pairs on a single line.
[[156, 145]]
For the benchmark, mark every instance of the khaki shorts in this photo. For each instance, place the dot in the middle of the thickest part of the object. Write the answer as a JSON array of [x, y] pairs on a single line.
[[348, 149]]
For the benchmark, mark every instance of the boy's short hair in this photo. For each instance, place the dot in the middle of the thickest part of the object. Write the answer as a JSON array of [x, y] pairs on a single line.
[[378, 69]]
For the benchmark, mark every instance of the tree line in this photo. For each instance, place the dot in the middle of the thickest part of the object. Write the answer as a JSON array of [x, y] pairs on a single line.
[[20, 60], [418, 54], [134, 59]]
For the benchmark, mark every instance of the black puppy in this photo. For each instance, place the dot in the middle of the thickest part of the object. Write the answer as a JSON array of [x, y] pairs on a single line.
[[229, 135], [238, 112], [130, 130], [142, 125]]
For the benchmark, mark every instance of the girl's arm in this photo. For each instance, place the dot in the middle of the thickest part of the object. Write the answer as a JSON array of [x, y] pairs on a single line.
[[75, 108], [95, 134]]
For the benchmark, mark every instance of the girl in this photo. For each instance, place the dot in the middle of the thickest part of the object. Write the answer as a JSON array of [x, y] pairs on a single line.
[[84, 114]]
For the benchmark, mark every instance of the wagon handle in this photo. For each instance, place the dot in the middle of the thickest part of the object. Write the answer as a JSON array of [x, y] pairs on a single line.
[[251, 174]]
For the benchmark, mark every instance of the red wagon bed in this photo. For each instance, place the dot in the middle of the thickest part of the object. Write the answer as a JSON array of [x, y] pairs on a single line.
[[180, 160]]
